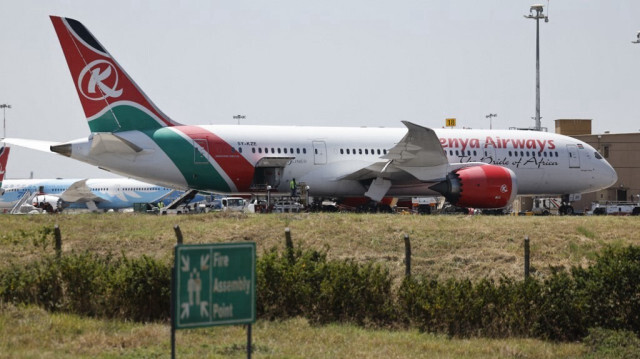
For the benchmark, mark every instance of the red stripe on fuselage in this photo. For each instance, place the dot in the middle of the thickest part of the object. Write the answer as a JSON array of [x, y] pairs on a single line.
[[232, 163]]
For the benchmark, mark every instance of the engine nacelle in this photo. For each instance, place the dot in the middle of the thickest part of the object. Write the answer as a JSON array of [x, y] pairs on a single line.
[[486, 186], [48, 202]]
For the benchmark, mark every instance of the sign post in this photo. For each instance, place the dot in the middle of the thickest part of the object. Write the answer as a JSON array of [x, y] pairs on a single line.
[[215, 284]]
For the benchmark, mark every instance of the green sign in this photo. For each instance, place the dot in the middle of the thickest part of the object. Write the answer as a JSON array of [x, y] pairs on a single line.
[[215, 284]]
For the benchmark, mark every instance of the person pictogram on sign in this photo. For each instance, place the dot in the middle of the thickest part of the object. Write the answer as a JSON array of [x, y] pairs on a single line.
[[194, 287]]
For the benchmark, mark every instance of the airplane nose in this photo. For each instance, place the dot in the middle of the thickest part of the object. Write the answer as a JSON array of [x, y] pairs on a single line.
[[608, 176]]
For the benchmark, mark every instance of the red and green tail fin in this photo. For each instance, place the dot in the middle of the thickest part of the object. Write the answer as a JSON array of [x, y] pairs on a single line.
[[111, 100], [4, 157]]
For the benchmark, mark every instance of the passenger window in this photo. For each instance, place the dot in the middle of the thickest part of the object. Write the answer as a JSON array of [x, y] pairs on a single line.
[[253, 150], [348, 151], [341, 151], [304, 150], [297, 150], [359, 151], [278, 149], [285, 150], [366, 151], [378, 151]]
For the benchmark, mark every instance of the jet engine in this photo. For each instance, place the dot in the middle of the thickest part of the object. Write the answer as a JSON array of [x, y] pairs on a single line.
[[49, 203], [486, 186]]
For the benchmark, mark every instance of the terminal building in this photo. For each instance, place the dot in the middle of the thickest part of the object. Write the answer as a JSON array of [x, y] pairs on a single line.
[[622, 150]]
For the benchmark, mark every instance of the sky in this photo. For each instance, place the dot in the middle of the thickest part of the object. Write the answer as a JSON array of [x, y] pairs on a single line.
[[325, 63]]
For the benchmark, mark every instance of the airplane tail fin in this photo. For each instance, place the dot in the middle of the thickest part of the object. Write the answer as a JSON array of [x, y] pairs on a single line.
[[4, 157], [111, 100]]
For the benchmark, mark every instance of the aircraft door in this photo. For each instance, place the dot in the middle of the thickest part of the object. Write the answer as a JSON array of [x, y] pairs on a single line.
[[319, 152], [574, 160]]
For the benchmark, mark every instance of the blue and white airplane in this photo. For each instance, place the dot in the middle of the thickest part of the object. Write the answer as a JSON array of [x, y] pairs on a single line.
[[94, 194]]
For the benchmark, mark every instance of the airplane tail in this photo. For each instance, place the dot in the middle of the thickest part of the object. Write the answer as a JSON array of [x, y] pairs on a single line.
[[111, 100], [4, 157]]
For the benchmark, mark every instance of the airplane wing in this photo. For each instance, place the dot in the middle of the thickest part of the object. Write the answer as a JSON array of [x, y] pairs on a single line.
[[419, 153], [80, 192]]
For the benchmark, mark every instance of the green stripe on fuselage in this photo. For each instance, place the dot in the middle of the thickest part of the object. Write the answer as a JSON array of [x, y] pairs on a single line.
[[202, 176], [129, 118]]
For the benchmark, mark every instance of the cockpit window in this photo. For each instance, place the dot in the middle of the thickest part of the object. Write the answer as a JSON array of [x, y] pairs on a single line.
[[598, 155]]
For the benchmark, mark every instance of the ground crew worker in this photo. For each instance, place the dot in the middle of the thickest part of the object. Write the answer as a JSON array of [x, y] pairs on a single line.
[[293, 186]]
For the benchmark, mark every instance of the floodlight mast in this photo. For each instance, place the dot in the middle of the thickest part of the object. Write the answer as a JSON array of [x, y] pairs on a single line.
[[537, 8], [4, 108], [490, 116]]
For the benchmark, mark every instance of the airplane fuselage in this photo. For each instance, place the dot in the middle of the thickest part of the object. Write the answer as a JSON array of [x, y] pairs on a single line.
[[227, 158]]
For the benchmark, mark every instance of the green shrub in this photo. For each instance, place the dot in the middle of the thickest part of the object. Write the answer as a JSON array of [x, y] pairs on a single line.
[[323, 291], [611, 288], [607, 343]]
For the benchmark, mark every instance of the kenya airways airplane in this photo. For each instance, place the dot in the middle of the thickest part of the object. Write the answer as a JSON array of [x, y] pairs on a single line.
[[471, 168]]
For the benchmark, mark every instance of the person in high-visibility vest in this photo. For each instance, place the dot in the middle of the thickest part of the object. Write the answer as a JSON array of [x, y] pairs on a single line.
[[293, 186]]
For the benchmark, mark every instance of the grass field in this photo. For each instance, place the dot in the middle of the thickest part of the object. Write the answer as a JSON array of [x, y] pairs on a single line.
[[442, 246], [30, 332]]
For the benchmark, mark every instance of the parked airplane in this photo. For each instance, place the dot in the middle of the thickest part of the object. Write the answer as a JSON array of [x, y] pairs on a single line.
[[94, 194], [471, 168]]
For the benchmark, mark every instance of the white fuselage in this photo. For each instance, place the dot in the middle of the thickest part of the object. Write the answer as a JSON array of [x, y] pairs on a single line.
[[544, 163]]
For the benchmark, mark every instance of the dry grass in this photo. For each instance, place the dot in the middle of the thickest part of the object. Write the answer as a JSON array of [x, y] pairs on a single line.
[[29, 332], [442, 246]]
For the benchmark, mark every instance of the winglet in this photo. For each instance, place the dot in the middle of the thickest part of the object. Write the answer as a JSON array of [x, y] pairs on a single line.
[[111, 100]]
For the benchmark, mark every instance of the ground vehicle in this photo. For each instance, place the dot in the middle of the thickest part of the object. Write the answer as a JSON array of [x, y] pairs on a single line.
[[232, 204], [616, 208]]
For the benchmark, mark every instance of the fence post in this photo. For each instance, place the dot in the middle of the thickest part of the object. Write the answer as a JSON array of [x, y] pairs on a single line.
[[289, 244], [58, 236], [407, 256], [176, 229], [526, 257]]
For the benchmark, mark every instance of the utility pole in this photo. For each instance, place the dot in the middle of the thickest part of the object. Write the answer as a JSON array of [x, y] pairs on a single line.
[[4, 108], [537, 8], [490, 116]]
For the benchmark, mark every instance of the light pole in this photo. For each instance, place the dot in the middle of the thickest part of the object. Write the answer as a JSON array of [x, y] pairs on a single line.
[[490, 116], [4, 108], [537, 8], [239, 117]]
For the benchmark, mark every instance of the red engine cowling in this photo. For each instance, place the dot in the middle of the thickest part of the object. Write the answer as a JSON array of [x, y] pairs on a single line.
[[486, 186]]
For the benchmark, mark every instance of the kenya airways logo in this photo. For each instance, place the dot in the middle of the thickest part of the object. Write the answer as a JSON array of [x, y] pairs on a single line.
[[101, 75]]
